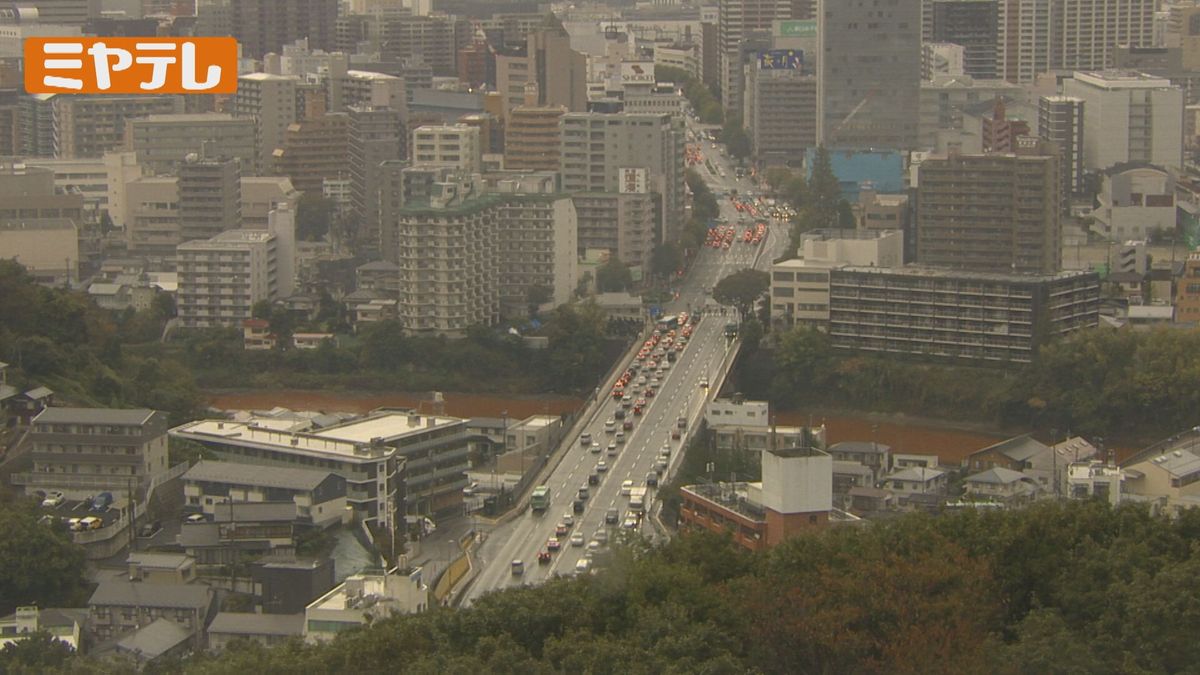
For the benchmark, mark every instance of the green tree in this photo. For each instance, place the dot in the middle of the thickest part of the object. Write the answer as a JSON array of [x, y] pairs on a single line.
[[751, 332], [314, 216], [742, 289], [39, 564], [536, 296], [39, 652], [576, 344], [613, 276], [735, 138], [665, 259]]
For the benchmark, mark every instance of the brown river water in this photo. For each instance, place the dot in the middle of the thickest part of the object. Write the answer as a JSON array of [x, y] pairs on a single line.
[[948, 443]]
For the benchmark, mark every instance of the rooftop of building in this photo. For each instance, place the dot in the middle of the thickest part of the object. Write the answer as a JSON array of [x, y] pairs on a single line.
[[1017, 448], [370, 75], [1117, 79], [997, 476], [260, 77], [733, 496], [191, 118], [917, 473], [864, 447], [38, 224], [799, 263], [154, 639], [367, 589], [1178, 463], [851, 234], [116, 416], [229, 239], [387, 426], [249, 623], [916, 270], [248, 474], [169, 561], [124, 593]]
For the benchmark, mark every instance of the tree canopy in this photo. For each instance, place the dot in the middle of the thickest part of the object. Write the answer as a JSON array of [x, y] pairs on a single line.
[[742, 289], [707, 107], [613, 276], [1060, 587], [39, 564], [314, 216]]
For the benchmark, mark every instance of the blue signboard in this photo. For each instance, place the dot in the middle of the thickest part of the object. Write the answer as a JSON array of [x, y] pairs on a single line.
[[781, 59]]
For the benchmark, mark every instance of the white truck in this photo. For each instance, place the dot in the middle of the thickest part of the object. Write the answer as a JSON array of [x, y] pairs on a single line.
[[637, 499]]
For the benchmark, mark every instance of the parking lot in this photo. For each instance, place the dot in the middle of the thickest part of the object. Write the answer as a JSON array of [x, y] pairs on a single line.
[[77, 508]]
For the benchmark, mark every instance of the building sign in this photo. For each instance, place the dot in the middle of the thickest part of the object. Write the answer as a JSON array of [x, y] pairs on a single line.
[[781, 59], [633, 181], [142, 65], [641, 72], [802, 29]]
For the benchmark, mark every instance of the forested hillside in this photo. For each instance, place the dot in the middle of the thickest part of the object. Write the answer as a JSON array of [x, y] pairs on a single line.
[[1057, 588]]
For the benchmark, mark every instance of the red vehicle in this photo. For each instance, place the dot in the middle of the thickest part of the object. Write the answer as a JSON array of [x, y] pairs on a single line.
[[561, 530], [675, 434], [544, 558], [649, 393], [637, 410], [553, 544], [618, 392]]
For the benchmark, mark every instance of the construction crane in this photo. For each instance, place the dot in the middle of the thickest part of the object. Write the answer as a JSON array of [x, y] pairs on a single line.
[[847, 118]]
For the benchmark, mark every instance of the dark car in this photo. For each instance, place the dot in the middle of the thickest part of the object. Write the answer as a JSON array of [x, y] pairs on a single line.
[[577, 506], [612, 516], [619, 414], [651, 479], [593, 478]]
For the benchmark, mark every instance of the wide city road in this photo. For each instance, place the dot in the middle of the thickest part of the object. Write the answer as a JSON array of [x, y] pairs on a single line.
[[679, 394]]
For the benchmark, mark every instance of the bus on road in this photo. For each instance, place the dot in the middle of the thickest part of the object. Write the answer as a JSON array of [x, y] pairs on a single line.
[[540, 501]]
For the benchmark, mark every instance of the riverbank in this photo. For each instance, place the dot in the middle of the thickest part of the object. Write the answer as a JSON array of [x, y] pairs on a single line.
[[457, 404], [949, 440]]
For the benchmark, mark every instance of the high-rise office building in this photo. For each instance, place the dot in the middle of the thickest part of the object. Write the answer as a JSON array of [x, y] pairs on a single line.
[[531, 137], [434, 39], [89, 126], [265, 26], [313, 150], [1060, 121], [780, 113], [271, 101], [1040, 36], [736, 21], [1130, 117], [991, 213], [376, 135], [547, 60], [161, 142], [972, 24], [870, 64], [601, 152], [454, 146], [209, 197], [64, 12]]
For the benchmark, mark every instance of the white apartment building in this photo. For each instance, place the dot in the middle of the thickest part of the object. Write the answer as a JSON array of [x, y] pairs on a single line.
[[800, 292], [455, 146], [466, 256], [800, 287], [1129, 117], [220, 279]]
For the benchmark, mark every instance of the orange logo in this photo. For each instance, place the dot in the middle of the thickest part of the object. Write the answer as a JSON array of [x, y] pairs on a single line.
[[141, 65]]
